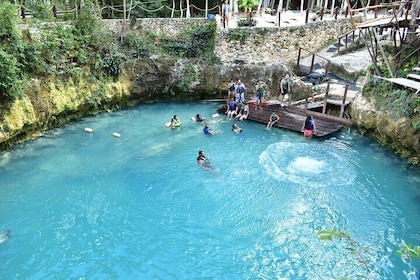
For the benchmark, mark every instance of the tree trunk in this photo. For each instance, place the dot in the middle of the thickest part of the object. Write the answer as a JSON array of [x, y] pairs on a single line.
[[412, 26]]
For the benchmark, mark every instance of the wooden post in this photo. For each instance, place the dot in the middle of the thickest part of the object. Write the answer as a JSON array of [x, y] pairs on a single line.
[[22, 12], [306, 99], [338, 46], [343, 104], [345, 41], [326, 68], [54, 9], [376, 8], [278, 18], [298, 60], [307, 16], [324, 108], [312, 63], [124, 14], [351, 13]]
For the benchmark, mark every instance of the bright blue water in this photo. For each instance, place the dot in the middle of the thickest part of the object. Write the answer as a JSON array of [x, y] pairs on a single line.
[[92, 206]]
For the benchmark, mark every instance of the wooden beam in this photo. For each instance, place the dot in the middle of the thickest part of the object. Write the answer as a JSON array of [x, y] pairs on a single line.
[[320, 116]]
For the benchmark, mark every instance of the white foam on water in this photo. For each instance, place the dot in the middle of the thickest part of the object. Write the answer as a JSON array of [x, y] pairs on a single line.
[[306, 165], [312, 164]]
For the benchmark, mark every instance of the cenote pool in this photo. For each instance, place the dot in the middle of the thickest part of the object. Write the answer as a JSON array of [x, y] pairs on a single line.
[[92, 206]]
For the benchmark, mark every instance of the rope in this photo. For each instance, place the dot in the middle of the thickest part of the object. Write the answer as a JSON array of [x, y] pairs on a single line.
[[150, 11], [203, 10], [115, 8]]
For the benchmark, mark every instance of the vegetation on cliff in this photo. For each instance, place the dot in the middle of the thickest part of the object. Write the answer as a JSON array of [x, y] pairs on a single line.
[[395, 118], [52, 72]]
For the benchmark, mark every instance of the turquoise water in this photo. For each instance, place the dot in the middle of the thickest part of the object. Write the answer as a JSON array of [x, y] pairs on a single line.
[[92, 206]]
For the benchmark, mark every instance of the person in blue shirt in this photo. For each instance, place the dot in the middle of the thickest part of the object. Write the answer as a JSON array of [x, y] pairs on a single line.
[[240, 92], [308, 127], [207, 130]]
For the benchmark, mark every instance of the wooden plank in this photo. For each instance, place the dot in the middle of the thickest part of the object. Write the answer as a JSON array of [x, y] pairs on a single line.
[[292, 118], [416, 69], [402, 81], [406, 82], [414, 76]]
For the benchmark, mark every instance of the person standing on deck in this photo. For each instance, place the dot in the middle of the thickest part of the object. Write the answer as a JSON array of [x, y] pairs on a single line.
[[284, 88], [231, 91], [240, 92], [260, 94]]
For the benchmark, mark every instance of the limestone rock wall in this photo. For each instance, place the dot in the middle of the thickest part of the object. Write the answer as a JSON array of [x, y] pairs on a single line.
[[397, 134], [276, 45]]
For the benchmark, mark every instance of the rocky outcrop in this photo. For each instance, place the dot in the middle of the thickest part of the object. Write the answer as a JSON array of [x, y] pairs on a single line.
[[397, 134]]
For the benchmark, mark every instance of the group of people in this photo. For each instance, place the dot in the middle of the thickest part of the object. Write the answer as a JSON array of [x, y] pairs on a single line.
[[238, 108], [176, 124]]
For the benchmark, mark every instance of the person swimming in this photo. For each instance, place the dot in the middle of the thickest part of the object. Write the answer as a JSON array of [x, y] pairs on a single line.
[[199, 118], [236, 128], [208, 131], [175, 122], [203, 161]]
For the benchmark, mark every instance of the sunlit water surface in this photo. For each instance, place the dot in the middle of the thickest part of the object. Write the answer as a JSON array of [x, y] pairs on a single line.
[[92, 206]]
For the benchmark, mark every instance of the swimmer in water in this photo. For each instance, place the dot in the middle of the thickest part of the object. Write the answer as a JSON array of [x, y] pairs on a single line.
[[203, 161], [236, 128], [175, 122]]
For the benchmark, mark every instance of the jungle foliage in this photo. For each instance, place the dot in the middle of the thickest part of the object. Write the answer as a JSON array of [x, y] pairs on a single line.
[[400, 101], [83, 48]]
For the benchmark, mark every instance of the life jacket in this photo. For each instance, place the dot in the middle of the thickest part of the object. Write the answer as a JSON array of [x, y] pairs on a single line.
[[203, 158], [244, 109], [286, 84], [260, 90], [239, 88]]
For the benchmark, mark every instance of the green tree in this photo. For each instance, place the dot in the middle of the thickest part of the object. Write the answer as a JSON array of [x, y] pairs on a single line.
[[11, 47], [248, 5]]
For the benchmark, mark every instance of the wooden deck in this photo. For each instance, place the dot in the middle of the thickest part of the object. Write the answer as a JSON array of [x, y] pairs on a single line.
[[292, 118]]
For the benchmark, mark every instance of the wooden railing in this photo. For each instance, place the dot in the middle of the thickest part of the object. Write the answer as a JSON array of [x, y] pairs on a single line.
[[118, 11]]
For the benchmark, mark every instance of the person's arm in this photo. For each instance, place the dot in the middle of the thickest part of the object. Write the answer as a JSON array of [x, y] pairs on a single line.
[[281, 85], [277, 118]]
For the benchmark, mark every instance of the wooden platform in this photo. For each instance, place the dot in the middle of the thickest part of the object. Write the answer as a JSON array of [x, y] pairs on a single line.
[[388, 21], [292, 118], [414, 77]]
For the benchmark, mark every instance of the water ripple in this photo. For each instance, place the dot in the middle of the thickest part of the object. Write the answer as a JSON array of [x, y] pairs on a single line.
[[306, 164]]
